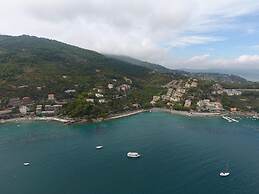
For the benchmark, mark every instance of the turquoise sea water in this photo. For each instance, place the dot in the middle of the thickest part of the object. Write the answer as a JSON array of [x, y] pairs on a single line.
[[179, 155]]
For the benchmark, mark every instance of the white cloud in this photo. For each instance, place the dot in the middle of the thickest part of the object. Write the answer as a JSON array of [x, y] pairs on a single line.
[[192, 40], [248, 59], [143, 29], [207, 62], [199, 58]]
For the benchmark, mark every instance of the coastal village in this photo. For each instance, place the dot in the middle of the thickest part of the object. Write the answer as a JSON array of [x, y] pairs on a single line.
[[180, 95], [51, 106]]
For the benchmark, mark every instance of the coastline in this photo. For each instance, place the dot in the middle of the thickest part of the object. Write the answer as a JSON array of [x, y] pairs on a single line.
[[19, 119], [186, 113], [128, 114]]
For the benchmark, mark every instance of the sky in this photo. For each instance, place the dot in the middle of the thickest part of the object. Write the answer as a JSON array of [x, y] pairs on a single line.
[[189, 34]]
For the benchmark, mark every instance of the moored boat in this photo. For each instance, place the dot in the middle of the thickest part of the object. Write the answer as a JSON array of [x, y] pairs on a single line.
[[224, 174], [133, 154], [99, 147]]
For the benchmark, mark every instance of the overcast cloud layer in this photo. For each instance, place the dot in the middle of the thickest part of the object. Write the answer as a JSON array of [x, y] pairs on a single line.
[[150, 30]]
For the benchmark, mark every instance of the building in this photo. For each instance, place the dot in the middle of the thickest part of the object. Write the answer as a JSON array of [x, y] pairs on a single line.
[[5, 114], [102, 101], [128, 80], [26, 100], [39, 88], [187, 103], [194, 84], [100, 90], [155, 100], [136, 105], [207, 105], [51, 97], [14, 102], [57, 107], [123, 88], [49, 107], [165, 98], [232, 92], [38, 109], [23, 109], [48, 113], [180, 90], [169, 92], [110, 86], [233, 109], [23, 86], [98, 95], [89, 100], [70, 91], [175, 99]]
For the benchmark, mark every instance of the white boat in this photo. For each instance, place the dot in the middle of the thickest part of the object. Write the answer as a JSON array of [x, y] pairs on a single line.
[[26, 164], [227, 118], [224, 174], [133, 154], [99, 147], [237, 121]]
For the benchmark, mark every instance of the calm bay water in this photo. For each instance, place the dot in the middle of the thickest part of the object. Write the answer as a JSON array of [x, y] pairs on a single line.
[[180, 155]]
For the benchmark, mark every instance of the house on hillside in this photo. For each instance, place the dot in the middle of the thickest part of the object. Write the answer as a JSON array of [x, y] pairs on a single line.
[[26, 100], [23, 109], [51, 97], [14, 102], [187, 103]]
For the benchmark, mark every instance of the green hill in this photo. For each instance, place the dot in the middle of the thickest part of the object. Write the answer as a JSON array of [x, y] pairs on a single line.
[[156, 67], [89, 84], [28, 60], [34, 67]]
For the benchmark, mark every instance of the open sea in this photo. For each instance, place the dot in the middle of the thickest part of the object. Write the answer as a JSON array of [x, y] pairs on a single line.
[[179, 155]]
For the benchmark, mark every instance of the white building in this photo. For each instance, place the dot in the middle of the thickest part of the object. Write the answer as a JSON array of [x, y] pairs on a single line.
[[102, 101], [187, 103], [23, 109], [110, 86], [70, 91], [38, 109], [194, 84], [206, 105], [155, 99], [232, 92], [98, 95], [89, 100], [51, 96]]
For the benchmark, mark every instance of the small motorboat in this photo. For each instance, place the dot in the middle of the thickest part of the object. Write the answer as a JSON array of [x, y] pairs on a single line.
[[133, 155], [99, 147], [26, 164], [224, 174]]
